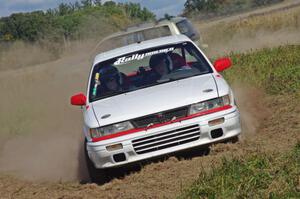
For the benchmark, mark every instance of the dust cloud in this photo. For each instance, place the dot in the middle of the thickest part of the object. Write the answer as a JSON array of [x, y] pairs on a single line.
[[242, 42], [20, 54], [251, 104], [41, 134]]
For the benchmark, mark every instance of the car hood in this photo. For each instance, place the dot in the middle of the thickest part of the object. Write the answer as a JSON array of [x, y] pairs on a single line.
[[154, 99]]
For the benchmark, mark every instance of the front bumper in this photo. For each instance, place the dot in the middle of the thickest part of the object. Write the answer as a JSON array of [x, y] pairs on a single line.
[[166, 139]]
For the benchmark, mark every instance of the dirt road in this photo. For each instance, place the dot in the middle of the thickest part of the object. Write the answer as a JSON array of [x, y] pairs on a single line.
[[41, 141]]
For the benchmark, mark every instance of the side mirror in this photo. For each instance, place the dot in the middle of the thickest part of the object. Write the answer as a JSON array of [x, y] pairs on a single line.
[[78, 100], [222, 64]]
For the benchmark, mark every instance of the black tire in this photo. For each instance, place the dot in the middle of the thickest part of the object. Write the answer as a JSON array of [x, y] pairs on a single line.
[[231, 140], [98, 176], [235, 139]]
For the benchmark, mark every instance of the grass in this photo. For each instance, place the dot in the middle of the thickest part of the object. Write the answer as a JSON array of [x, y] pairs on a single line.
[[215, 8], [257, 176], [276, 70], [251, 27]]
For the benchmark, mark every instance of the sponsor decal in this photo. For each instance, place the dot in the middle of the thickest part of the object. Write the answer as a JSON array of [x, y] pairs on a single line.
[[137, 56], [97, 83]]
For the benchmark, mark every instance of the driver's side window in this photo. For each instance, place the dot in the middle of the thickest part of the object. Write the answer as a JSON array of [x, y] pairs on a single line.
[[178, 57], [189, 58], [193, 59]]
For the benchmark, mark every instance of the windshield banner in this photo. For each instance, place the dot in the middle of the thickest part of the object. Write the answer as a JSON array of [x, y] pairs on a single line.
[[123, 60]]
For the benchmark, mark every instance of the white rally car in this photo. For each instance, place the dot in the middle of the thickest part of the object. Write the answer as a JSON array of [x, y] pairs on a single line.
[[154, 98]]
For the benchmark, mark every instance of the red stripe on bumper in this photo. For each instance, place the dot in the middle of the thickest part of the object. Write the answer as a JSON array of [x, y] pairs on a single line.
[[161, 124]]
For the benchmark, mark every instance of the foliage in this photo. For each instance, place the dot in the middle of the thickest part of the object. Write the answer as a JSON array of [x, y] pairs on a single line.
[[276, 70], [206, 8], [64, 22], [258, 175]]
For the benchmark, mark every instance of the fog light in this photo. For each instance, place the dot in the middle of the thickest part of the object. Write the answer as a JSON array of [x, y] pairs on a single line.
[[216, 121], [114, 147], [119, 157]]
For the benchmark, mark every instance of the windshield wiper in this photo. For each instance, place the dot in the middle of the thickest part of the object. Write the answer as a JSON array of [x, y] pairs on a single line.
[[179, 78], [110, 95], [163, 80]]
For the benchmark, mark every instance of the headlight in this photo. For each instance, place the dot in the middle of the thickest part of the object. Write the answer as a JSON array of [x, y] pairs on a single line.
[[110, 129], [209, 104]]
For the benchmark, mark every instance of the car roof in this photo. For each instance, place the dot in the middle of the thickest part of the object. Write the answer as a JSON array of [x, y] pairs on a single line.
[[140, 46], [145, 26]]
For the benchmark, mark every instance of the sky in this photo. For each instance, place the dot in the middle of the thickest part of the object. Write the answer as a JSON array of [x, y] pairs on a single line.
[[159, 7]]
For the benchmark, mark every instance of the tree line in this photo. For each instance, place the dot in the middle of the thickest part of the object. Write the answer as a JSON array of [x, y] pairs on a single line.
[[71, 21]]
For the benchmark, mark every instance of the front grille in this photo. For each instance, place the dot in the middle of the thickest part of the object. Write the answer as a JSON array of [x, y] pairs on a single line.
[[166, 139], [162, 117]]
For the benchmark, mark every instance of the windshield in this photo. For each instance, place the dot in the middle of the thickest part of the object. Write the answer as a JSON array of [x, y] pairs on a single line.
[[146, 68]]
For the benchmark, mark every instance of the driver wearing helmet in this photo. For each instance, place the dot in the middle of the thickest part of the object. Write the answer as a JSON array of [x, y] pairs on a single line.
[[160, 65], [111, 80]]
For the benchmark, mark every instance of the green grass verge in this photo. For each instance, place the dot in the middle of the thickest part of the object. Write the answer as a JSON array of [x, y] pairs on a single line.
[[276, 70], [256, 176]]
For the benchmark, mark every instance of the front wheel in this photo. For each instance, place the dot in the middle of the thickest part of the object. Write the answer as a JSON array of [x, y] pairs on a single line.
[[233, 140], [98, 176]]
